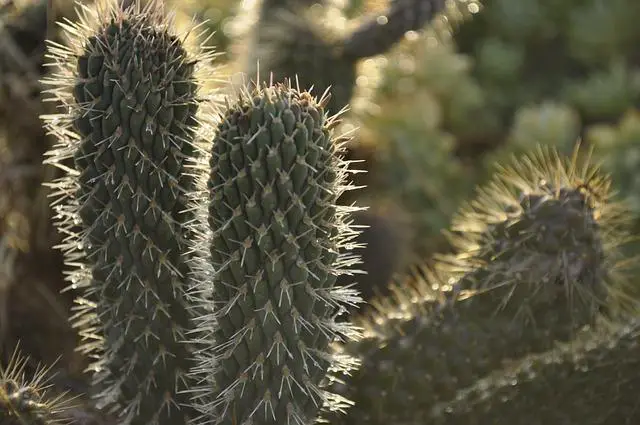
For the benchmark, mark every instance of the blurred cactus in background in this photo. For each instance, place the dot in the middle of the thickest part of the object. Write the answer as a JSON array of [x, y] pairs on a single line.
[[618, 146], [404, 122], [532, 51]]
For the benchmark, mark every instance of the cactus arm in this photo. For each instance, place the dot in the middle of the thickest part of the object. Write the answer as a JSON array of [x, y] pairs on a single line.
[[380, 32], [592, 381]]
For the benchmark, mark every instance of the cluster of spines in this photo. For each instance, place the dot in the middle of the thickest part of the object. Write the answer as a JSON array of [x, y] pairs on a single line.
[[546, 218], [270, 244], [459, 324], [29, 401], [132, 94]]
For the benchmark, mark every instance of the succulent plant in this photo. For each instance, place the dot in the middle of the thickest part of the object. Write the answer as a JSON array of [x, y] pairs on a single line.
[[130, 89], [590, 381], [536, 51], [273, 244], [536, 264]]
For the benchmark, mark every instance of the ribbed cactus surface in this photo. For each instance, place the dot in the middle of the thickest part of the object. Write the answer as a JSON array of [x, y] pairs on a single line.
[[277, 243], [130, 86]]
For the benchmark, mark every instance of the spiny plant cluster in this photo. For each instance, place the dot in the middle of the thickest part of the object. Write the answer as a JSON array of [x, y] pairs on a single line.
[[207, 242], [28, 400], [537, 265], [244, 317]]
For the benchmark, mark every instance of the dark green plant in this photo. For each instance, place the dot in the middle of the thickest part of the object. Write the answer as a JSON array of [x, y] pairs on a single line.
[[130, 89], [592, 382], [537, 262], [276, 243]]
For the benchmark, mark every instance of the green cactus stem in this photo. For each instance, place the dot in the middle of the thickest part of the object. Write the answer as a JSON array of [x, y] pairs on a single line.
[[592, 381], [535, 266], [131, 93], [275, 245]]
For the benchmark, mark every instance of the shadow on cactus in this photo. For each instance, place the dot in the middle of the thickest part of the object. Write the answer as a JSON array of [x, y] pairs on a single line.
[[537, 263], [271, 243], [131, 96], [30, 401]]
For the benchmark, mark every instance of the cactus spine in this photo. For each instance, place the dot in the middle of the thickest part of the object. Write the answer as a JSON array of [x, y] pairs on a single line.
[[131, 93], [26, 401], [275, 244]]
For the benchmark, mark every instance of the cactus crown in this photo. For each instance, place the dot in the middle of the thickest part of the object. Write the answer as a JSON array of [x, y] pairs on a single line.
[[545, 225], [271, 243]]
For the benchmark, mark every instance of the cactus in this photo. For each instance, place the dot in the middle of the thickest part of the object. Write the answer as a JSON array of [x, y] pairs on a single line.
[[537, 262], [277, 242], [294, 44], [589, 382], [131, 92], [545, 219], [25, 401], [290, 43]]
